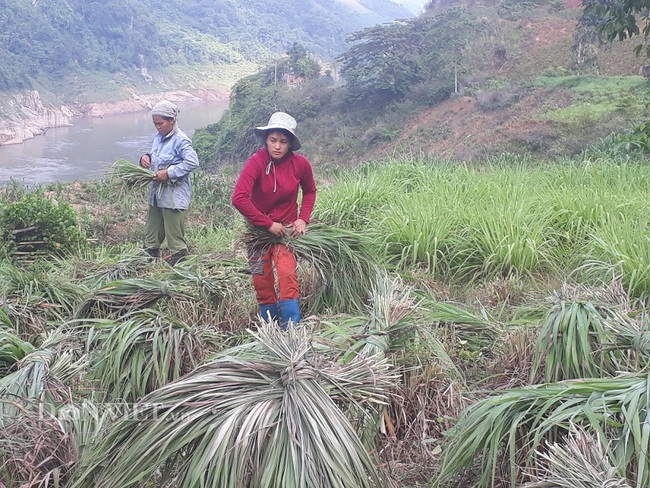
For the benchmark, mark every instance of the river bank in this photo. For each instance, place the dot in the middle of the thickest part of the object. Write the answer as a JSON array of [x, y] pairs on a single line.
[[141, 102], [86, 149], [25, 115]]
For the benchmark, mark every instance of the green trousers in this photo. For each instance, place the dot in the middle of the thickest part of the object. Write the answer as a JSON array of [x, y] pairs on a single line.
[[165, 223]]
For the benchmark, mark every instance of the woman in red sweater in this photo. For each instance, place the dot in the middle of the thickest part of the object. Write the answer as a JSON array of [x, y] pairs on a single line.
[[266, 194]]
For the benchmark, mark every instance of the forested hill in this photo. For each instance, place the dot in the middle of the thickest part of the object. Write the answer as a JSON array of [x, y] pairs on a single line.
[[48, 38]]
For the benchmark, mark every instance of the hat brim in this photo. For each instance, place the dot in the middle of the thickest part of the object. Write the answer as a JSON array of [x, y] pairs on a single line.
[[261, 132]]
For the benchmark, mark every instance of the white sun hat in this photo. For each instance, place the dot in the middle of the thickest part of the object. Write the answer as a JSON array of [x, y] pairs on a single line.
[[280, 120]]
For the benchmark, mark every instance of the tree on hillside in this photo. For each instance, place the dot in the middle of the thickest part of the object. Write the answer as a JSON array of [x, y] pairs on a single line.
[[388, 61], [300, 63], [620, 20], [380, 65], [586, 42]]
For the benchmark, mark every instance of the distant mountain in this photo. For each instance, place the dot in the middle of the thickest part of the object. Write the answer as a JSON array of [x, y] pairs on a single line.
[[416, 7], [41, 39], [259, 26], [379, 11]]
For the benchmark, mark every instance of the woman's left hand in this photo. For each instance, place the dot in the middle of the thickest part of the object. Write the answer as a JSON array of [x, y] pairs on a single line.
[[161, 175], [298, 228]]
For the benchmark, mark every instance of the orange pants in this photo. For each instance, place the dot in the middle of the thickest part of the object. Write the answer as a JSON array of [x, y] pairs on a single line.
[[261, 266]]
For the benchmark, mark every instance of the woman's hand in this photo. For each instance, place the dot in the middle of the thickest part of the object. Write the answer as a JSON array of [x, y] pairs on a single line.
[[277, 229], [298, 228], [161, 175], [145, 161]]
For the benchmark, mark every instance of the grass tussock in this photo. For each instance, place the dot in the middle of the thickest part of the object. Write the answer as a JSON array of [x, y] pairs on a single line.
[[580, 461]]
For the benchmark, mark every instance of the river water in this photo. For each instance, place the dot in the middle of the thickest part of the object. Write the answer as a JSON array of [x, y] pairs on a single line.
[[88, 148]]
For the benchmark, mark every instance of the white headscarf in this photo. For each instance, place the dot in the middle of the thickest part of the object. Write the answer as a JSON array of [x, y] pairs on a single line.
[[165, 108]]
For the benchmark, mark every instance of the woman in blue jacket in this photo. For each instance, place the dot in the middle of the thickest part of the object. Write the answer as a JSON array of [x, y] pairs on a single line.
[[172, 158]]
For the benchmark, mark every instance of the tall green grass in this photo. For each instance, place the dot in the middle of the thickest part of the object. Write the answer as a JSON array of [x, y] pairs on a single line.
[[509, 218], [515, 423]]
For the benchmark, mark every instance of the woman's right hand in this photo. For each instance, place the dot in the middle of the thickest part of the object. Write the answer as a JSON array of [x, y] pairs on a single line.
[[145, 161], [277, 229]]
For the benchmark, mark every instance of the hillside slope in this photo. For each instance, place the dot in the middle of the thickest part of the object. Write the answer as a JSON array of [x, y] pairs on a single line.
[[64, 57], [44, 40], [457, 83], [540, 108]]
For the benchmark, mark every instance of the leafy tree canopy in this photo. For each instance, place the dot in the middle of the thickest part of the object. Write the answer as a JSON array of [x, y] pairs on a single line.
[[388, 60], [620, 20]]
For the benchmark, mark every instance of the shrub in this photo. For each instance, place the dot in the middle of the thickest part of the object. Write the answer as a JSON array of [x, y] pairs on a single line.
[[497, 99], [35, 222]]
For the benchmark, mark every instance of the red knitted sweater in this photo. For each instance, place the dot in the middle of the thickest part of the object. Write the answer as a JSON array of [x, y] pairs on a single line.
[[267, 192]]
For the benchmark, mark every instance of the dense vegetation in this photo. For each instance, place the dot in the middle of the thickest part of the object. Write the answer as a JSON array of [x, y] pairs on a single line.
[[382, 94], [409, 61], [43, 39], [478, 324], [429, 287]]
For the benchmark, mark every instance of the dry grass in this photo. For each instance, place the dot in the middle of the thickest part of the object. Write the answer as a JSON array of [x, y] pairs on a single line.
[[512, 365], [578, 462], [35, 450], [411, 463]]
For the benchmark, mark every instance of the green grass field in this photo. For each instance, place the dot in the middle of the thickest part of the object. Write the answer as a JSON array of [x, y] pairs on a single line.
[[447, 306]]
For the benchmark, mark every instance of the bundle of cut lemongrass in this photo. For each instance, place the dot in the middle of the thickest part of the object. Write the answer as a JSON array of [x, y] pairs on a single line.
[[132, 175], [342, 261], [123, 296]]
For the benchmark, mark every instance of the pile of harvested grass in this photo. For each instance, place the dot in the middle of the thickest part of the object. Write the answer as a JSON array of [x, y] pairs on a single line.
[[35, 449]]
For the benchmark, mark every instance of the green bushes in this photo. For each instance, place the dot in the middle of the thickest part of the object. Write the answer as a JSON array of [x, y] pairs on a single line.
[[627, 145], [38, 223]]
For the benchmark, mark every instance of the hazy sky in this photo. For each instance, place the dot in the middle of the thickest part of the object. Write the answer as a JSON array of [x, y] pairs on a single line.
[[415, 6]]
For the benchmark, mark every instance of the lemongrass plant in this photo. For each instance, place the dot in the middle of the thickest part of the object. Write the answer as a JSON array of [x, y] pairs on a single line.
[[475, 329], [12, 349], [88, 420], [123, 296], [392, 328], [98, 266], [260, 415], [5, 320], [572, 343], [416, 232], [132, 175], [30, 316], [342, 261], [141, 352], [513, 424], [46, 374], [619, 246], [355, 201], [505, 231], [579, 461], [42, 282]]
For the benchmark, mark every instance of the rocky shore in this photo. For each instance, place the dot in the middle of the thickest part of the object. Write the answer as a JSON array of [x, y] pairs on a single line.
[[25, 115]]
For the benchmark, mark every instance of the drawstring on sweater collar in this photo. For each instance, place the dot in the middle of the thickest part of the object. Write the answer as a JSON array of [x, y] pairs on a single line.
[[268, 170]]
